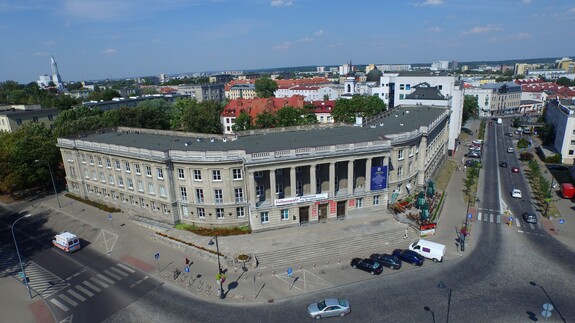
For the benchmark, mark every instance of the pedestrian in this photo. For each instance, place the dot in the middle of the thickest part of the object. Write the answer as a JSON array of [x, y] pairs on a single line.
[[464, 168]]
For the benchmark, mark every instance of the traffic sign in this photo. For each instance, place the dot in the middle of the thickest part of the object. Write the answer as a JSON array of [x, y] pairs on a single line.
[[187, 269], [157, 255], [510, 218], [561, 221], [548, 306], [289, 271], [110, 216], [469, 215]]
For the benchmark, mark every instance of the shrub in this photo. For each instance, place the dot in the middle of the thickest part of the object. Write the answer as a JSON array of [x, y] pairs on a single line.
[[100, 206], [526, 156], [522, 143], [210, 232], [556, 159]]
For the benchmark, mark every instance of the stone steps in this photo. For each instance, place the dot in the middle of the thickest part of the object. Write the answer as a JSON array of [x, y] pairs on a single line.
[[343, 249]]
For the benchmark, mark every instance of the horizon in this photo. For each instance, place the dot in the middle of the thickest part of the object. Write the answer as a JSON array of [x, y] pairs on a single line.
[[119, 39]]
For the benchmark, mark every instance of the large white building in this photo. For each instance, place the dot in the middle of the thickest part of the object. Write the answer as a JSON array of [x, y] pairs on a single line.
[[561, 114], [267, 179], [497, 98]]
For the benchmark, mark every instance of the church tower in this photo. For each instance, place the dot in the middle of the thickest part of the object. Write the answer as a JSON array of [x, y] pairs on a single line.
[[350, 82], [56, 78]]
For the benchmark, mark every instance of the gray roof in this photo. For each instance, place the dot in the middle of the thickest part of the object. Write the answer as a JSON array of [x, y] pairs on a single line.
[[404, 119], [426, 93]]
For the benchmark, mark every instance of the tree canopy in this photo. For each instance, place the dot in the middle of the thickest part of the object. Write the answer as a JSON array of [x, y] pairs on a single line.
[[470, 108], [346, 110], [265, 87]]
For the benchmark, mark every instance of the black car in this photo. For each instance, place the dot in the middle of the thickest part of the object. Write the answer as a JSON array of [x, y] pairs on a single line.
[[472, 162], [366, 264], [387, 260], [529, 217], [409, 256], [503, 164]]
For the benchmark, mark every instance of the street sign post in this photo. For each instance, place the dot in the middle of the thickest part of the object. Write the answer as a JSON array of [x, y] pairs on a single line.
[[289, 272], [157, 256], [111, 224]]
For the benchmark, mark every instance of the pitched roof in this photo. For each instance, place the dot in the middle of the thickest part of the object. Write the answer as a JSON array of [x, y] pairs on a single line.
[[256, 106]]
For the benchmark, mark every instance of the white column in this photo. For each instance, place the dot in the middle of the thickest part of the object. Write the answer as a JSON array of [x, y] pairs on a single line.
[[312, 179], [332, 179], [421, 162], [292, 180], [272, 185], [350, 176], [368, 174], [251, 191]]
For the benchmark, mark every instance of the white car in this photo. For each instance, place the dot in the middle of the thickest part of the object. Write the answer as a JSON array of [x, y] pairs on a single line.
[[516, 193], [510, 149]]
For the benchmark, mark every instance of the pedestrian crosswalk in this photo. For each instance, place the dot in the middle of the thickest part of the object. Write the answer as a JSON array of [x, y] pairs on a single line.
[[41, 281], [78, 293], [495, 217]]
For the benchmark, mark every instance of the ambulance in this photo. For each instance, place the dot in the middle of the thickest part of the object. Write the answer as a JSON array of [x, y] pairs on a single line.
[[66, 241]]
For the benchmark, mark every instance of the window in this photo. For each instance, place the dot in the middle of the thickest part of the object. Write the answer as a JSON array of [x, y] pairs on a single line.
[[298, 169], [572, 142], [239, 194], [140, 186], [279, 172], [201, 212], [94, 176], [279, 188], [86, 173], [199, 195], [117, 162], [401, 96], [165, 208], [111, 179], [91, 159], [285, 214], [162, 191], [120, 181], [132, 200], [258, 174], [148, 171], [218, 196], [376, 200], [88, 188], [359, 202], [108, 163], [216, 175], [137, 167], [185, 211], [102, 177], [122, 198], [183, 194], [400, 154], [299, 188], [83, 158], [181, 174], [130, 184], [410, 151], [151, 189], [399, 172], [160, 173], [240, 212], [154, 207], [237, 173], [317, 185], [105, 192], [402, 86], [99, 161], [197, 175], [142, 203], [260, 190], [570, 153], [265, 217], [127, 167], [219, 213], [408, 86]]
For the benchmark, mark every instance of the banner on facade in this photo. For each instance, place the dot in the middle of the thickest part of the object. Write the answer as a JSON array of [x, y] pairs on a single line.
[[300, 199], [378, 178]]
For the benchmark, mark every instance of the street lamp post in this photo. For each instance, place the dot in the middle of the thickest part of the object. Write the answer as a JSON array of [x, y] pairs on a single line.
[[53, 183], [221, 283], [18, 253]]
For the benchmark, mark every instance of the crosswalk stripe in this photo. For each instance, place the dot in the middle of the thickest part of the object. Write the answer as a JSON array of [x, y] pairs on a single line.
[[119, 271], [111, 282], [518, 224], [68, 300], [85, 291], [478, 216], [128, 269], [109, 273], [498, 218], [94, 288], [491, 217], [98, 282], [75, 294], [59, 304]]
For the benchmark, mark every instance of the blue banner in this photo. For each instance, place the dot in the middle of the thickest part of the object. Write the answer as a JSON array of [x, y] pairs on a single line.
[[378, 178]]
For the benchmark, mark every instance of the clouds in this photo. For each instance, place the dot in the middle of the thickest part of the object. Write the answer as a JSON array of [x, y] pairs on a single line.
[[429, 3], [281, 3], [434, 29], [482, 29], [319, 32], [284, 46], [109, 51]]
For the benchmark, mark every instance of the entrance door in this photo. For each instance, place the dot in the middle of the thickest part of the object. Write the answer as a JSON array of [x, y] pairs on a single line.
[[304, 214], [322, 212], [341, 209]]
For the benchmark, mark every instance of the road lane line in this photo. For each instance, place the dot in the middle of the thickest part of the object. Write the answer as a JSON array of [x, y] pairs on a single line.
[[78, 296], [119, 271], [478, 216], [99, 282], [126, 268], [491, 217], [111, 274], [96, 289], [59, 304], [68, 300], [85, 291], [498, 218], [111, 282]]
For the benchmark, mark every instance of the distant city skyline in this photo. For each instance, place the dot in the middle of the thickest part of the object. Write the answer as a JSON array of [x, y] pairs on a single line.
[[94, 40]]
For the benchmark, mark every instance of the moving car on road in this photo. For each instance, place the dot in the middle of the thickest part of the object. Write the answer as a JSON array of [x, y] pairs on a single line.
[[516, 193], [329, 307], [409, 256], [529, 217], [387, 260], [366, 264], [503, 164], [510, 149], [515, 169]]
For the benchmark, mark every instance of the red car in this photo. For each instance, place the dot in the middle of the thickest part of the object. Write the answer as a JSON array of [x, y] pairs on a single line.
[[514, 169]]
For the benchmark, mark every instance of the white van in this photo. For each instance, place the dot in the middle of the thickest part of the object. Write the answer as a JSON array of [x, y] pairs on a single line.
[[428, 249], [66, 241]]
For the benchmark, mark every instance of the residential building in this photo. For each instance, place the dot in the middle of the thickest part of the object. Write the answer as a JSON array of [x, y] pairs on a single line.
[[561, 114], [13, 117], [267, 179], [497, 98]]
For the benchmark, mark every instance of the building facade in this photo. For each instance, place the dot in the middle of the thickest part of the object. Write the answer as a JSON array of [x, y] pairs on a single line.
[[561, 114], [266, 179], [14, 116]]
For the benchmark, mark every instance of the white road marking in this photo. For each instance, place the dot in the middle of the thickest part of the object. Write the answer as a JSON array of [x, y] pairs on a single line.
[[78, 296], [119, 271], [96, 289], [85, 291], [111, 282], [498, 218], [98, 282], [109, 273], [478, 216], [59, 304], [126, 268], [68, 300], [491, 217]]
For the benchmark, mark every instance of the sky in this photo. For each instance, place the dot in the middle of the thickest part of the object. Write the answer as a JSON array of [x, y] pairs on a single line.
[[99, 39]]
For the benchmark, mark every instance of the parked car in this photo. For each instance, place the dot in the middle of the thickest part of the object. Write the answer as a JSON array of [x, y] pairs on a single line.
[[387, 260], [472, 162], [503, 164], [509, 134], [516, 193], [329, 307], [409, 256], [366, 264], [529, 217], [473, 154], [515, 169]]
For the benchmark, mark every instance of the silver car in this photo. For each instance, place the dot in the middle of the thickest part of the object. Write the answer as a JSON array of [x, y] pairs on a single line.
[[329, 307]]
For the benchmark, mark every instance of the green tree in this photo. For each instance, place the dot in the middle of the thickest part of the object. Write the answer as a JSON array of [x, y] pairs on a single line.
[[266, 119], [265, 87], [202, 117], [470, 108], [289, 116], [243, 122], [75, 121], [547, 134], [564, 81], [346, 110]]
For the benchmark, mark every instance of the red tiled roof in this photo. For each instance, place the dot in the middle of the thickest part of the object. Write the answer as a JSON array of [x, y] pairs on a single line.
[[256, 106], [323, 106]]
